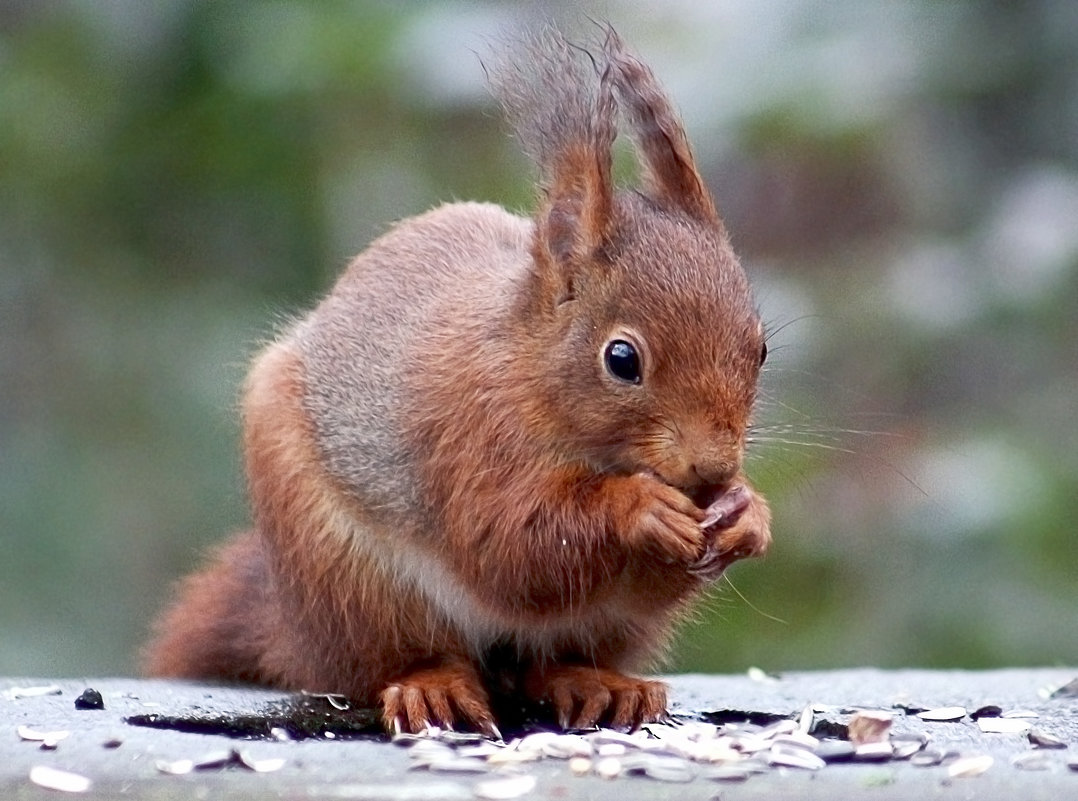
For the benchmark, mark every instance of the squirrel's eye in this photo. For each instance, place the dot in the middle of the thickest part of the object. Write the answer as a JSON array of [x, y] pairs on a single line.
[[763, 353], [622, 361]]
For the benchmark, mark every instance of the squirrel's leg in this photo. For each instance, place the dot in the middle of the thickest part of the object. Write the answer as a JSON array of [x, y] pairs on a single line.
[[583, 696], [438, 695]]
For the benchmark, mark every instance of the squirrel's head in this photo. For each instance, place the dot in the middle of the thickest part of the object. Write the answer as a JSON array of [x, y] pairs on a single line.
[[643, 330]]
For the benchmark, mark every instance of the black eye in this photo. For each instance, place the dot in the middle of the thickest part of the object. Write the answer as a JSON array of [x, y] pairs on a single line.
[[622, 361], [763, 353]]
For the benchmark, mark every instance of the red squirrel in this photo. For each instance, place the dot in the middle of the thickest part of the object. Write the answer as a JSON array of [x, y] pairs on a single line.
[[502, 452]]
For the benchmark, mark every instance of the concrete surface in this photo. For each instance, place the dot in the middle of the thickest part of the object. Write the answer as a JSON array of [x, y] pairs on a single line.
[[122, 760]]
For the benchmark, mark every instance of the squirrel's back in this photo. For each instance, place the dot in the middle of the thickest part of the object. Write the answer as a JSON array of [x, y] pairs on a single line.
[[449, 275]]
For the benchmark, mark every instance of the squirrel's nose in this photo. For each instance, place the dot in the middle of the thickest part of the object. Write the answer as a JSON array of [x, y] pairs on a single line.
[[717, 471]]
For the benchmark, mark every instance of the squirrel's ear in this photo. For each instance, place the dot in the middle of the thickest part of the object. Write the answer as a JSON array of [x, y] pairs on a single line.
[[574, 217], [670, 170]]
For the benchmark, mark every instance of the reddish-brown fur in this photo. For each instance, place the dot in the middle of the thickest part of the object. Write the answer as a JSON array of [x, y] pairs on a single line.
[[442, 469]]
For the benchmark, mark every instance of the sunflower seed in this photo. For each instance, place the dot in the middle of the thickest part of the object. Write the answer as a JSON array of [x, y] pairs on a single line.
[[1068, 690], [608, 768], [62, 780], [927, 758], [773, 730], [566, 746], [38, 736], [1032, 760], [580, 766], [1003, 725], [1042, 739], [502, 789], [176, 767], [805, 720], [874, 752], [610, 750], [906, 748], [15, 693], [1020, 713], [267, 765], [967, 767], [797, 740], [664, 769], [943, 713], [215, 760], [835, 750], [794, 758]]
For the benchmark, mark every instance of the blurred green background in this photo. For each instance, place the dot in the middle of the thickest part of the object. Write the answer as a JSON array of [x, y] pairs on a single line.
[[901, 179]]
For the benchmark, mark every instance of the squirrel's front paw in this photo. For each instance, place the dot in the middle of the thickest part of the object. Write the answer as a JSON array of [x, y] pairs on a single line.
[[662, 520], [439, 696], [582, 697], [737, 526]]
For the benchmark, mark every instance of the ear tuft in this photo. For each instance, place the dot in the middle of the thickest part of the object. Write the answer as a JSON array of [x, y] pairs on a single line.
[[563, 110], [670, 170]]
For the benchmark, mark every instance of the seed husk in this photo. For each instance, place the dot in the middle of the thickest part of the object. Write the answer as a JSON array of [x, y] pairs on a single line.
[[794, 758], [835, 750], [15, 693], [38, 736], [1032, 760], [1042, 739], [608, 768], [53, 779], [943, 714], [929, 757], [580, 766], [175, 767], [874, 752], [1003, 725], [968, 767]]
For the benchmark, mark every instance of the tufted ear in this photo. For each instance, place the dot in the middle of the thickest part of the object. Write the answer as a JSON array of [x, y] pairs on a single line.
[[670, 171], [561, 104], [574, 217]]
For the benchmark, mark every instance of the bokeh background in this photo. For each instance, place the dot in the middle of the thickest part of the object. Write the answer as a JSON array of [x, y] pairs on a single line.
[[177, 178]]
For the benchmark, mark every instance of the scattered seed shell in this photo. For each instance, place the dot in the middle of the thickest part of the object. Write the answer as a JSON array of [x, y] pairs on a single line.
[[968, 767], [1068, 690], [15, 693], [1042, 739], [608, 768], [265, 765], [38, 736], [1003, 725], [580, 766], [835, 750], [507, 788], [874, 752], [794, 758], [943, 714], [927, 758], [175, 767], [904, 749], [62, 780], [1032, 760]]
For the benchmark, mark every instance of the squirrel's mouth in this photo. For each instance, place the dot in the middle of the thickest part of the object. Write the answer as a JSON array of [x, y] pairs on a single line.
[[704, 495]]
